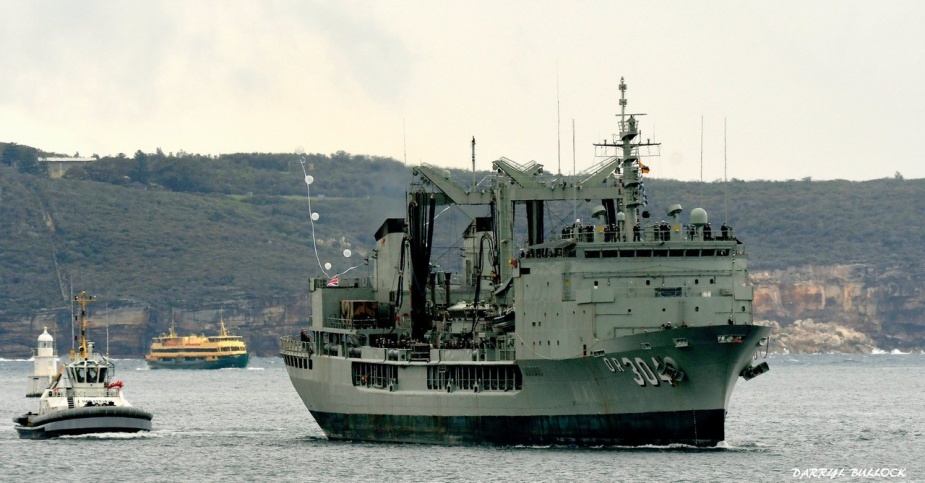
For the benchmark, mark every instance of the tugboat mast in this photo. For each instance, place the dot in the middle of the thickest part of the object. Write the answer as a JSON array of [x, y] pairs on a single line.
[[82, 300]]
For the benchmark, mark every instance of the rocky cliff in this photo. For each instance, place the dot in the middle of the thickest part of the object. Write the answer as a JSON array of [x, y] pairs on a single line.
[[129, 328], [838, 308], [842, 308]]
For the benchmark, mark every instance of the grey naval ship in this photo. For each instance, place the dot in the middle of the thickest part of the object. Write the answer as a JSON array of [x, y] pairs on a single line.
[[616, 332]]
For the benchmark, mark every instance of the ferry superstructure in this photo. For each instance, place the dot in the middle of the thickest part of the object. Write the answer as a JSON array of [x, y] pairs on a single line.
[[622, 332]]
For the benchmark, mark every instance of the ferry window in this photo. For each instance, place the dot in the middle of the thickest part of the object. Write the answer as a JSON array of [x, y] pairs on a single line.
[[102, 374], [675, 253], [660, 253], [609, 253], [644, 253], [81, 374], [91, 374], [708, 252], [595, 254], [627, 253], [692, 252]]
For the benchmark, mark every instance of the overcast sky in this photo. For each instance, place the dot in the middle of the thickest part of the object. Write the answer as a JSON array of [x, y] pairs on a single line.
[[821, 89]]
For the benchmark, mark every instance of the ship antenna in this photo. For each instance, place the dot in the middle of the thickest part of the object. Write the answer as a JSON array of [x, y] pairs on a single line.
[[558, 125], [725, 178], [701, 160], [473, 162], [575, 176], [72, 311], [107, 330], [404, 142]]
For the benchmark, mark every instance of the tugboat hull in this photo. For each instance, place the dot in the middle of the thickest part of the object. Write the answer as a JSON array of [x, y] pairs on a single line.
[[79, 421]]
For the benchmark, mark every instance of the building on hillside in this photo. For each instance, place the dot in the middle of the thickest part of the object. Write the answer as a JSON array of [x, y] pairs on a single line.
[[57, 166]]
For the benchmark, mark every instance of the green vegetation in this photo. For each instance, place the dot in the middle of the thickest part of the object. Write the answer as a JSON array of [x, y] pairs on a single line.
[[188, 230]]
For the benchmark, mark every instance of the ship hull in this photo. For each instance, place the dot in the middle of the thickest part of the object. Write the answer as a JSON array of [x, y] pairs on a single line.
[[80, 421], [696, 428], [618, 396], [224, 362]]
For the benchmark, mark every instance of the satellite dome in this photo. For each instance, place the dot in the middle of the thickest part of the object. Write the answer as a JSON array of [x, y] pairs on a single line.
[[598, 211], [698, 217]]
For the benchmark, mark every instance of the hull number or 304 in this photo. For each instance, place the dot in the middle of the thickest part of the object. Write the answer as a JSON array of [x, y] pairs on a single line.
[[643, 373]]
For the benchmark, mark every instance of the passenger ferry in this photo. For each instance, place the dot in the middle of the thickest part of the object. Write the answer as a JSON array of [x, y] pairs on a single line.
[[172, 351]]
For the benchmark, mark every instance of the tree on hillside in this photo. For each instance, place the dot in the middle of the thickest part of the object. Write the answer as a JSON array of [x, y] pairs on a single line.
[[11, 154], [24, 158], [142, 172]]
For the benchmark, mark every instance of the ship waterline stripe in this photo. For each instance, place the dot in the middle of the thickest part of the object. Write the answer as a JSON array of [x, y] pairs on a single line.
[[694, 427]]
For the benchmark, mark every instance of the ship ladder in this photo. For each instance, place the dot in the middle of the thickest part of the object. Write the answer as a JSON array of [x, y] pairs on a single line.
[[70, 402]]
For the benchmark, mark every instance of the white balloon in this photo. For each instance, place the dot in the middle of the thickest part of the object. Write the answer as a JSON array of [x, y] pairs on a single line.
[[347, 253], [309, 179], [327, 266], [315, 217]]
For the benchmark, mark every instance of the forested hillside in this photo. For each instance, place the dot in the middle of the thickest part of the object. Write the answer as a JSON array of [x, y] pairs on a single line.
[[181, 230]]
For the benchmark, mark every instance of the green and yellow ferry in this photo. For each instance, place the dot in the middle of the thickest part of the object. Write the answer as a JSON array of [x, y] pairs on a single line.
[[172, 351]]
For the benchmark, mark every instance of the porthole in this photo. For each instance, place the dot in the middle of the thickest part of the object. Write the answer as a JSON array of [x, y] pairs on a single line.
[[696, 309], [648, 282]]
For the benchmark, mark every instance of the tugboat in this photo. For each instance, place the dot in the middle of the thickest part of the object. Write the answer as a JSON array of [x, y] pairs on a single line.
[[171, 351], [46, 365], [617, 332], [82, 398]]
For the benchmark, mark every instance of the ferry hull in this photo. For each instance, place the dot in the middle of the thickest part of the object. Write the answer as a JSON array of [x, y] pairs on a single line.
[[609, 398], [225, 362], [80, 421]]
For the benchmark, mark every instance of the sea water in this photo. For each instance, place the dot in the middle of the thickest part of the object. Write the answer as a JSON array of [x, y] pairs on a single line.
[[833, 417]]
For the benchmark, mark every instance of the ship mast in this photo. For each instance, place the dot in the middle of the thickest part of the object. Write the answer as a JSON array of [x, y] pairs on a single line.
[[82, 300], [631, 168]]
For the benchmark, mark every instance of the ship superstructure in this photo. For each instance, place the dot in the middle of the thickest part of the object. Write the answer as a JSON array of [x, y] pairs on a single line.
[[619, 331]]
